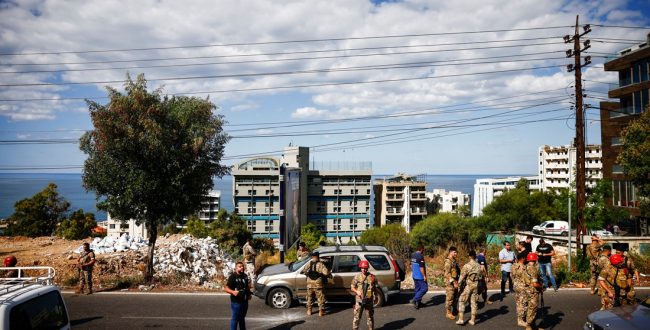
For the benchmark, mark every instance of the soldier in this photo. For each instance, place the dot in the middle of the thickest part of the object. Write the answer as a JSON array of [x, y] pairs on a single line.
[[471, 274], [249, 258], [614, 285], [86, 262], [452, 271], [316, 271], [534, 288], [521, 297], [363, 286], [303, 251], [482, 284], [10, 261], [603, 260], [632, 273], [593, 252]]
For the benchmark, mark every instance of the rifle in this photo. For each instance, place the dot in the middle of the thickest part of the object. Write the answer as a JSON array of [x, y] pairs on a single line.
[[364, 287], [617, 290]]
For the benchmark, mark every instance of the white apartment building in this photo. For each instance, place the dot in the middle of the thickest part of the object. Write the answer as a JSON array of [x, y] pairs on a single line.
[[485, 190], [557, 166], [400, 199], [449, 201]]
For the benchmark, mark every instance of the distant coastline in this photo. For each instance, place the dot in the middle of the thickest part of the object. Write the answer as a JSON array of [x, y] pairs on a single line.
[[17, 186]]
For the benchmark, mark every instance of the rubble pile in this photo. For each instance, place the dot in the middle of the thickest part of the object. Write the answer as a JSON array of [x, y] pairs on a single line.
[[109, 244]]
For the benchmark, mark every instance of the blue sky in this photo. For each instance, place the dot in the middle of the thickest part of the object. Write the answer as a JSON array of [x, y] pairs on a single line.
[[441, 87]]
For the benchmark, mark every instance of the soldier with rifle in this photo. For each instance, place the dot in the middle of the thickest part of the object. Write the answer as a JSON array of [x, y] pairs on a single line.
[[470, 276], [614, 284], [316, 272], [364, 285], [452, 272]]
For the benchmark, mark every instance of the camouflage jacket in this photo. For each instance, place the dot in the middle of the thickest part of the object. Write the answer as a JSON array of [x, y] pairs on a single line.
[[360, 279], [531, 275], [613, 276], [86, 257], [593, 252], [249, 253], [518, 276], [452, 271], [316, 272], [472, 272], [603, 262]]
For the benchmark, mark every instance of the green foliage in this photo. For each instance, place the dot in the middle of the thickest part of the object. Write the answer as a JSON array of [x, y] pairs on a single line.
[[170, 228], [196, 227], [641, 261], [635, 157], [310, 235], [38, 215], [597, 213], [231, 231], [78, 226], [151, 157], [264, 245], [392, 236], [579, 273], [445, 229]]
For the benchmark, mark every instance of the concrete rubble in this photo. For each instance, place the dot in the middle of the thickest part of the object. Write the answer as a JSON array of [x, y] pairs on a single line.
[[197, 260]]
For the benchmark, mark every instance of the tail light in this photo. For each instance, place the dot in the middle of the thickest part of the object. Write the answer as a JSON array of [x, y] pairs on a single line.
[[395, 267]]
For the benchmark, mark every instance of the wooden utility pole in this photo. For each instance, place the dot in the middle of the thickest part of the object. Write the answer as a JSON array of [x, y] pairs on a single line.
[[581, 198]]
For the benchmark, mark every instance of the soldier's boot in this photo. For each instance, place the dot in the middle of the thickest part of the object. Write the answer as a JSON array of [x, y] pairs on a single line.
[[450, 315], [321, 312], [461, 320], [308, 311], [90, 291], [472, 320], [521, 323], [81, 290]]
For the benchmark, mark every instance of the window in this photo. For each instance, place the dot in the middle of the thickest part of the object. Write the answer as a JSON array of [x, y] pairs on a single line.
[[268, 225], [378, 261], [618, 169], [111, 226], [347, 264], [42, 312], [251, 225], [353, 223], [336, 224]]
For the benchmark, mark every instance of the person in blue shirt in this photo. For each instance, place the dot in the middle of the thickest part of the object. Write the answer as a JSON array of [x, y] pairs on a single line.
[[419, 270], [482, 283]]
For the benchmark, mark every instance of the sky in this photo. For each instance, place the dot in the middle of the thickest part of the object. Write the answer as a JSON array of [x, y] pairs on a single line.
[[438, 87]]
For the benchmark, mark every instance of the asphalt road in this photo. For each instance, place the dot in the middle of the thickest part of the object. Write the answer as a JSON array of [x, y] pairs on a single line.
[[565, 309]]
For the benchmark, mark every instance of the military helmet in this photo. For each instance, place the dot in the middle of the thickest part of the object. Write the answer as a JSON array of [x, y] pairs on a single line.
[[10, 261], [531, 257], [364, 264], [615, 259]]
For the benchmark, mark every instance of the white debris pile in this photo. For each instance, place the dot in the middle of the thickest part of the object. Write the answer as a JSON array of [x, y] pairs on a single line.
[[110, 244], [199, 258]]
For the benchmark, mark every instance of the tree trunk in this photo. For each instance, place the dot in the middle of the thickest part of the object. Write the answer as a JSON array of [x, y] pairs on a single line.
[[152, 229]]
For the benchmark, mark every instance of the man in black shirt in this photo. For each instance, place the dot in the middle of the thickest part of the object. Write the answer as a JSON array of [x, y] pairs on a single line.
[[238, 286], [545, 253], [529, 244]]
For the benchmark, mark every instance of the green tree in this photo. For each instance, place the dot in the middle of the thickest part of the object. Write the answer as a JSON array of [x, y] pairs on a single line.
[[38, 215], [597, 214], [78, 226], [196, 227], [635, 157], [231, 231], [392, 236], [310, 235], [445, 229], [151, 157]]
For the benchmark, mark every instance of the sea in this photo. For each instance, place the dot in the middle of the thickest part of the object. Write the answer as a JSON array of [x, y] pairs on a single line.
[[17, 186]]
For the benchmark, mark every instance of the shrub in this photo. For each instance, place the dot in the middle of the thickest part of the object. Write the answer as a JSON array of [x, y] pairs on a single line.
[[446, 229], [78, 226], [196, 227], [393, 237]]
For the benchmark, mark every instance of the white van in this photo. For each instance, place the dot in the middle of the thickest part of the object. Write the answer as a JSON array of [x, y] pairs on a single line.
[[552, 227], [31, 301]]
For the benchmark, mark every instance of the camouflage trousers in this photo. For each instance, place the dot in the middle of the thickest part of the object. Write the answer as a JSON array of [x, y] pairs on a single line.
[[470, 293], [606, 302], [370, 314], [531, 309], [319, 297], [521, 299], [85, 278], [250, 271], [450, 296], [627, 297], [593, 280]]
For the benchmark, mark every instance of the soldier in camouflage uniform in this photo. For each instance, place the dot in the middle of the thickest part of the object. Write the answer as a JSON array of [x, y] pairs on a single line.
[[533, 288], [593, 252], [86, 262], [603, 259], [249, 258], [612, 279], [471, 274], [452, 271], [632, 273], [364, 298], [316, 272], [519, 281]]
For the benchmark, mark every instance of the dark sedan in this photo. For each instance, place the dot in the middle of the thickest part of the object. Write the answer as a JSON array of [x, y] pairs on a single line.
[[622, 317]]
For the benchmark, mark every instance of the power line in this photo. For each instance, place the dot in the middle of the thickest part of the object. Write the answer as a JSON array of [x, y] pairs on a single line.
[[283, 41], [621, 26]]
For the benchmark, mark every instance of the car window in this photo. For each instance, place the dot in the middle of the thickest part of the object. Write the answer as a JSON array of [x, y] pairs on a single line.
[[550, 225], [347, 263], [42, 312], [296, 265], [378, 261]]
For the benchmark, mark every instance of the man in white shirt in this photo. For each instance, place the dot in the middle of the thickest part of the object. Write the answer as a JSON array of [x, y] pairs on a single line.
[[506, 259]]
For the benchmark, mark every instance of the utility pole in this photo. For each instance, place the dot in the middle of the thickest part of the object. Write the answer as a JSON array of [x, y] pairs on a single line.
[[581, 198]]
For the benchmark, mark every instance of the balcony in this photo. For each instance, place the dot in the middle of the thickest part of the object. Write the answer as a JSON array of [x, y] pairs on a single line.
[[418, 210], [418, 197], [395, 197], [395, 211]]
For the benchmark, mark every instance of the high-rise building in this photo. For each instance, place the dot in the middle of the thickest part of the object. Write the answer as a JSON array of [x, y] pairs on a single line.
[[632, 92], [557, 166], [449, 201], [485, 190], [400, 199]]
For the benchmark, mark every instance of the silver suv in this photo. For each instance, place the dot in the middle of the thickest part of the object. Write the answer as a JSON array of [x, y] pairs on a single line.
[[281, 285], [30, 300]]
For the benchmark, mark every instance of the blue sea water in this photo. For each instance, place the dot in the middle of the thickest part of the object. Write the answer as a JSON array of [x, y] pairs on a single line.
[[17, 186]]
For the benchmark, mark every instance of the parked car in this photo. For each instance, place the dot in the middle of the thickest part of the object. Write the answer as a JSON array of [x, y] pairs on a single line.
[[31, 301], [281, 285], [552, 227], [621, 318], [603, 233]]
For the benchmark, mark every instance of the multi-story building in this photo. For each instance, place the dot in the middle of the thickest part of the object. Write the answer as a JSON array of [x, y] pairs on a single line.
[[485, 190], [400, 199], [210, 206], [335, 198], [557, 166], [449, 201], [632, 92]]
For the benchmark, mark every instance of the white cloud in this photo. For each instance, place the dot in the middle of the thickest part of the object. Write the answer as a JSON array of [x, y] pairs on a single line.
[[244, 107], [309, 112]]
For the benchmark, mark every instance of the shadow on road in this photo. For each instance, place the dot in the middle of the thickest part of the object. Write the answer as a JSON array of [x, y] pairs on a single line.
[[549, 321], [490, 313], [399, 324], [84, 320], [287, 325], [435, 300]]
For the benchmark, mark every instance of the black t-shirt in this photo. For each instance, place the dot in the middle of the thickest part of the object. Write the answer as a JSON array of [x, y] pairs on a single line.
[[544, 249], [240, 283], [529, 248]]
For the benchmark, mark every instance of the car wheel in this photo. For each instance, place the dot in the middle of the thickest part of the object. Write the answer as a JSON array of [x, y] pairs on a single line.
[[378, 298], [541, 232], [279, 298], [564, 233]]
